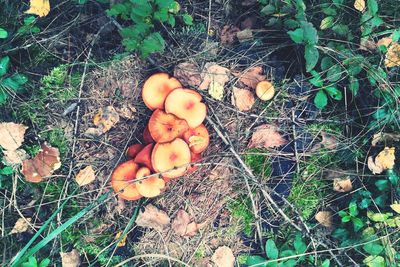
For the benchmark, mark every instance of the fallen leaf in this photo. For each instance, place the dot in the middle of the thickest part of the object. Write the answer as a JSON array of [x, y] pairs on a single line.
[[384, 137], [11, 135], [193, 228], [122, 242], [228, 34], [223, 257], [152, 217], [93, 132], [329, 141], [374, 168], [265, 136], [324, 218], [180, 223], [106, 118], [42, 165], [396, 207], [244, 35], [216, 90], [188, 74], [243, 99], [14, 157], [39, 7], [213, 72], [367, 44], [85, 176], [383, 161], [21, 225], [251, 77], [359, 5], [342, 185], [127, 111], [392, 57], [70, 259]]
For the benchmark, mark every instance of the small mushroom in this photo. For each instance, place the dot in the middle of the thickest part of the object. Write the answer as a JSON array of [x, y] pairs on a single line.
[[186, 104], [265, 90], [165, 127], [147, 139], [197, 138], [194, 159], [144, 156], [151, 186], [122, 180], [156, 88], [171, 158], [133, 150]]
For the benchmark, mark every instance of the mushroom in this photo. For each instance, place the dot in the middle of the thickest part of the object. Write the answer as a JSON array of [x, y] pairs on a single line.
[[193, 159], [144, 156], [186, 104], [265, 90], [171, 158], [147, 139], [122, 180], [151, 186], [165, 127], [133, 150], [197, 138], [156, 88]]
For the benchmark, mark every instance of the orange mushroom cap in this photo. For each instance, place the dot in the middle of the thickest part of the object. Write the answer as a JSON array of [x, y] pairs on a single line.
[[265, 90], [133, 150], [197, 138], [194, 158], [156, 88], [122, 180], [186, 104], [144, 156], [147, 139], [164, 127], [171, 158], [151, 186]]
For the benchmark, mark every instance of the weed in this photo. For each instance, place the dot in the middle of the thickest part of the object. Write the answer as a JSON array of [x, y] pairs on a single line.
[[260, 164], [240, 209]]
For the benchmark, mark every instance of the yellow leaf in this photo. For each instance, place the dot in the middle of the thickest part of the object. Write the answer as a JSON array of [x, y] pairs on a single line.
[[85, 176], [359, 5], [396, 207], [122, 242], [216, 90], [39, 7], [386, 158]]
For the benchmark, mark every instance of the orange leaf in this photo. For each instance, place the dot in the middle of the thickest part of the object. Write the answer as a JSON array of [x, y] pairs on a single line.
[[266, 136], [243, 99], [251, 77], [39, 7]]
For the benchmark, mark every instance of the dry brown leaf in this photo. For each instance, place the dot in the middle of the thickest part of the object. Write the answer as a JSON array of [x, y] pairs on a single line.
[[93, 132], [265, 136], [251, 77], [127, 111], [329, 141], [154, 218], [85, 176], [223, 257], [359, 5], [14, 157], [21, 225], [243, 99], [42, 165], [228, 34], [384, 137], [70, 259], [39, 7], [324, 218], [383, 161], [244, 35], [213, 72], [11, 135], [188, 74], [374, 168], [342, 185], [367, 44], [193, 228], [180, 223], [106, 118], [122, 242]]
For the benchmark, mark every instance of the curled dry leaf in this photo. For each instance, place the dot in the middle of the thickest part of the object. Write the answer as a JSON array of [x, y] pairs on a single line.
[[342, 185], [266, 136], [188, 74], [359, 5], [251, 77], [11, 135], [228, 34], [39, 7], [85, 176], [374, 168], [152, 217], [182, 225], [122, 242], [14, 157], [329, 141], [70, 259], [21, 225], [392, 57], [223, 257], [106, 118], [213, 72], [243, 99], [383, 161], [384, 137], [324, 218], [42, 165]]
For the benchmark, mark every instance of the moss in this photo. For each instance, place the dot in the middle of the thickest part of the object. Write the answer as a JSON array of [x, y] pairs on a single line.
[[56, 137], [241, 211], [258, 162]]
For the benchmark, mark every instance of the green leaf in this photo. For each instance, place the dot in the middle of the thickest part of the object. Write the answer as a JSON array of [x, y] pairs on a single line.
[[6, 170], [289, 263], [44, 262], [334, 93], [330, 11], [372, 6], [396, 35], [29, 20], [342, 213], [174, 7], [340, 233], [353, 208], [373, 248], [341, 29], [4, 63], [326, 63], [291, 23], [320, 100], [382, 185], [374, 261], [256, 260], [3, 96], [346, 218], [271, 250], [378, 217], [187, 19], [268, 10], [32, 261], [151, 44], [354, 86], [316, 80], [171, 21], [326, 263], [299, 245], [381, 200], [334, 73], [326, 23], [393, 177], [3, 33], [161, 15], [287, 253], [357, 224], [310, 34], [82, 2], [119, 9], [297, 35], [311, 55], [14, 82], [141, 8]]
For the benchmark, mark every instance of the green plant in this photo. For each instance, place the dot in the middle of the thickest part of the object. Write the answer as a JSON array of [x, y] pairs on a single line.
[[144, 17], [32, 262], [9, 82], [241, 210], [351, 216]]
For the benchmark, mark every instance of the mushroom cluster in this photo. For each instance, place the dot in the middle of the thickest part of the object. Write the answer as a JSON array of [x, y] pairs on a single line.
[[173, 140]]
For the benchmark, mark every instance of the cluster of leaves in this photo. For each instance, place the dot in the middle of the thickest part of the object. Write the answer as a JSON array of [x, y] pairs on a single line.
[[32, 262], [143, 17]]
